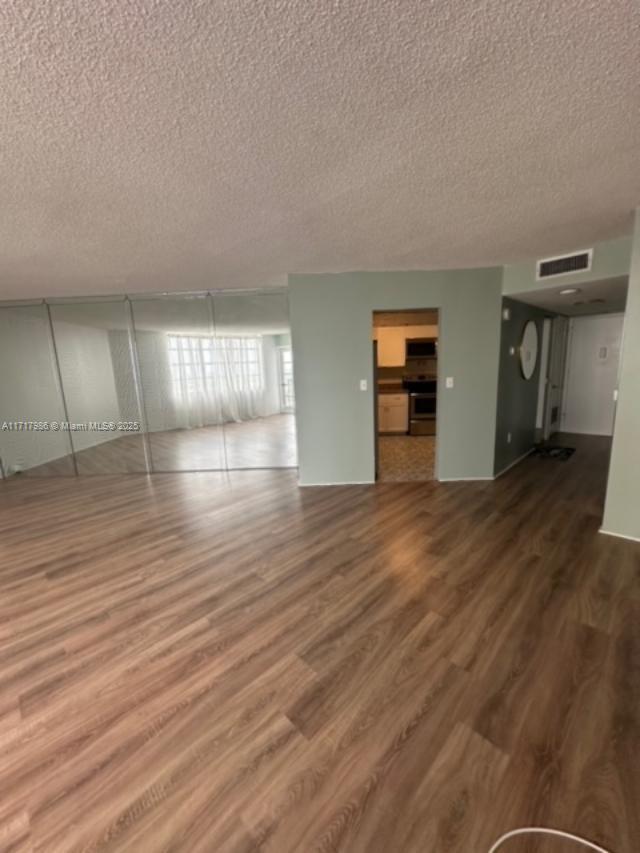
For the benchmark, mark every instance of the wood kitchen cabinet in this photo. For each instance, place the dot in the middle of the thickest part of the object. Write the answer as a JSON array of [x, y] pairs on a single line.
[[391, 347], [392, 342], [393, 413]]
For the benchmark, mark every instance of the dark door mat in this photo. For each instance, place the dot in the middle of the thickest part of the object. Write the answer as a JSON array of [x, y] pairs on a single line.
[[551, 451]]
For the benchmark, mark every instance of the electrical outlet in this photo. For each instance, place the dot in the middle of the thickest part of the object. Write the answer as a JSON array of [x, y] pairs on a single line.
[[448, 382], [363, 384]]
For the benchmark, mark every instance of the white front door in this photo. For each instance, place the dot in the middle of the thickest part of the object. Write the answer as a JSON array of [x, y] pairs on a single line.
[[592, 374]]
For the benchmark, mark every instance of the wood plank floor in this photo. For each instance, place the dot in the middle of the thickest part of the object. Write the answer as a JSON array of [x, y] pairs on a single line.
[[227, 663]]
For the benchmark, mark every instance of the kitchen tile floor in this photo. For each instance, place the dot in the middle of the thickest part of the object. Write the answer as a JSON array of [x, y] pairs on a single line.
[[406, 457]]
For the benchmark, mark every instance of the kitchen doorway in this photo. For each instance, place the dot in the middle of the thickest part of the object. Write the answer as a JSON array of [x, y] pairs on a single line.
[[405, 370]]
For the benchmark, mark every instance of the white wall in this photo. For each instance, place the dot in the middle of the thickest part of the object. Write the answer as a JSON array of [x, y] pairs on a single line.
[[156, 382], [87, 378], [123, 374], [28, 389], [592, 374]]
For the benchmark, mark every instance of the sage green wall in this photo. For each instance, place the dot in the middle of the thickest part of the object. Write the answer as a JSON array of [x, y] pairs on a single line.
[[622, 507], [517, 396], [331, 322], [611, 259]]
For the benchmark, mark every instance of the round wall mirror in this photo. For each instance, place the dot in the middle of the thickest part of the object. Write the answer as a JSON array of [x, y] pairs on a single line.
[[529, 349]]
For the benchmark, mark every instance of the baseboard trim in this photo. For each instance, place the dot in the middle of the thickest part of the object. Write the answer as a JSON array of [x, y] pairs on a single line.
[[584, 432], [437, 480], [462, 479], [512, 464], [351, 483], [619, 535]]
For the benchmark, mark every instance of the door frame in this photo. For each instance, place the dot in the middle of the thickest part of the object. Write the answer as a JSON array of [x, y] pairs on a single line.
[[543, 381], [558, 345], [438, 310], [376, 437]]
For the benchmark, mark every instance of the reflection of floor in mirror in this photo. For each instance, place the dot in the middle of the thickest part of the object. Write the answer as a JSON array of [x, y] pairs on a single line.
[[406, 457], [262, 443]]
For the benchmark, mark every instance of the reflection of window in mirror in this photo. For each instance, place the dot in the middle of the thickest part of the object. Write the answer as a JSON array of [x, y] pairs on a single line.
[[529, 349]]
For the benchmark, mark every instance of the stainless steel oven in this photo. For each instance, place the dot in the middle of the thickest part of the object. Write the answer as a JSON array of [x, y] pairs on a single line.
[[423, 405]]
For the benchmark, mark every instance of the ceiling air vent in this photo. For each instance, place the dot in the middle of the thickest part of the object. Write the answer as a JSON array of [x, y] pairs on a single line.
[[564, 265]]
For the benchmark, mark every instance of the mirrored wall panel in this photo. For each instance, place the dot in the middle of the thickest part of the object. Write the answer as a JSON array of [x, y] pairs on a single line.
[[254, 375], [33, 439], [95, 354], [174, 337], [179, 382]]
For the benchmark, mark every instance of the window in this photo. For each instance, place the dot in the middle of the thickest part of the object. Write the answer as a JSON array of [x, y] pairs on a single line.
[[203, 365], [287, 398]]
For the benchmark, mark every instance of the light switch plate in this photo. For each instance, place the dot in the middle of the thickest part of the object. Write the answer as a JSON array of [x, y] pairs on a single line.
[[363, 384], [448, 382]]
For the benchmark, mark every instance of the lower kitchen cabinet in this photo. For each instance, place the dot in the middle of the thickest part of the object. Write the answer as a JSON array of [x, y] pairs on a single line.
[[393, 413]]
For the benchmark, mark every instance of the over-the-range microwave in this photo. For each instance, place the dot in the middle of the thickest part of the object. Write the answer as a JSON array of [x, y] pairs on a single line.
[[421, 348]]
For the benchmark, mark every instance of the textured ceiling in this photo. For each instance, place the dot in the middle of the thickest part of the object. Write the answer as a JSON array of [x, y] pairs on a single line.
[[183, 144], [605, 296]]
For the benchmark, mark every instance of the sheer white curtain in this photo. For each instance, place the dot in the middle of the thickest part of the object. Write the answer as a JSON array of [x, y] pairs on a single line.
[[217, 380]]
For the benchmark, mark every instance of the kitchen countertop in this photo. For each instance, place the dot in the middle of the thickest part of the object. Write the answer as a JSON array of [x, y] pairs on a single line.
[[392, 388]]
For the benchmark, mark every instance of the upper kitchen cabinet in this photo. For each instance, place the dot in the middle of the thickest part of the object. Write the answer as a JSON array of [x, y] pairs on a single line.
[[392, 340], [391, 347]]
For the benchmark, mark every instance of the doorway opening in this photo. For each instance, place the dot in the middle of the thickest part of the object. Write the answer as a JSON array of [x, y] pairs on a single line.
[[579, 359], [405, 370]]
